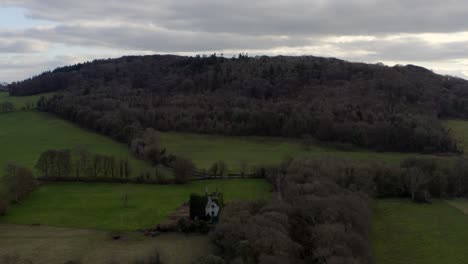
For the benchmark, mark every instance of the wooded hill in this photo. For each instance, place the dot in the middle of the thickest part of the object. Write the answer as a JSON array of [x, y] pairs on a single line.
[[371, 105]]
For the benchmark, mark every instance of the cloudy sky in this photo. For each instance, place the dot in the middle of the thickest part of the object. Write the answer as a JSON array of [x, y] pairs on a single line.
[[38, 35]]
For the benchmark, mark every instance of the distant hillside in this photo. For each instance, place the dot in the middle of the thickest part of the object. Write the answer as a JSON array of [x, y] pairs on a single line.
[[380, 107]]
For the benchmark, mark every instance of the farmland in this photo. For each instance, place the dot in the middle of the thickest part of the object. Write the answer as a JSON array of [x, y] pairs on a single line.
[[99, 206], [459, 130], [405, 232], [24, 135], [94, 246], [203, 150], [21, 102]]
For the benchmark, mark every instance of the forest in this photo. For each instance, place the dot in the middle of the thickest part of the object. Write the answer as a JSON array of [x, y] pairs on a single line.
[[370, 105]]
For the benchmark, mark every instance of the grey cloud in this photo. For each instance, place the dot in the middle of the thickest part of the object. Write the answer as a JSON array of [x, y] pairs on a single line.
[[264, 26], [21, 46], [14, 68], [267, 17], [409, 49], [153, 39]]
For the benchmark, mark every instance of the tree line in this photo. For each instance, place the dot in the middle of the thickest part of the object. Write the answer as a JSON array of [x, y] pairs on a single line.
[[81, 164], [384, 108], [6, 107]]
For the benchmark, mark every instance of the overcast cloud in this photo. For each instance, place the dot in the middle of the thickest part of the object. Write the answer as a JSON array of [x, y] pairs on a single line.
[[38, 35]]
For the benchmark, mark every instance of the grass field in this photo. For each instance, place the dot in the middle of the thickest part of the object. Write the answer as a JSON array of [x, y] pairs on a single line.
[[203, 150], [405, 232], [100, 205], [24, 135], [21, 102], [35, 243], [461, 204], [460, 132]]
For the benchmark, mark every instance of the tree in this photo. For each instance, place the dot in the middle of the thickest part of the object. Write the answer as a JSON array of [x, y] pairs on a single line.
[[417, 183], [148, 146], [222, 168], [243, 167], [63, 163], [18, 181], [183, 170], [6, 107], [81, 163], [213, 170], [46, 163]]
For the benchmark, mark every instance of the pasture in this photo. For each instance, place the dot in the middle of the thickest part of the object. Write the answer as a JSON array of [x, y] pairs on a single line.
[[459, 129], [405, 232], [24, 135], [100, 206], [204, 150], [21, 102]]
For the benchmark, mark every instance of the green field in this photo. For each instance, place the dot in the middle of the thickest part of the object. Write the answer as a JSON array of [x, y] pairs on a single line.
[[405, 232], [459, 129], [21, 102], [203, 150], [100, 205], [24, 135]]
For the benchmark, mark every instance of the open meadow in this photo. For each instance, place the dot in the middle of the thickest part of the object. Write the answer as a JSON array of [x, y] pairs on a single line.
[[405, 232], [100, 206], [459, 129], [204, 150], [24, 135], [21, 102]]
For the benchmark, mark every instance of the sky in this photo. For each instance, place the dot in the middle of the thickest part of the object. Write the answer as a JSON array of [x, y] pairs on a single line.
[[40, 35]]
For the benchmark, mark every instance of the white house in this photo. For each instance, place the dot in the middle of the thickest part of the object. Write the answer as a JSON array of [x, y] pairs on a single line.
[[211, 209]]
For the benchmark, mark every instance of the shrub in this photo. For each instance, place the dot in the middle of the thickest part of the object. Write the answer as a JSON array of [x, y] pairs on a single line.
[[193, 226], [183, 170], [197, 206]]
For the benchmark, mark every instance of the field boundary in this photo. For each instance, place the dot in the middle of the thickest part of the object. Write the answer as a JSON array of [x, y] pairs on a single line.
[[139, 181]]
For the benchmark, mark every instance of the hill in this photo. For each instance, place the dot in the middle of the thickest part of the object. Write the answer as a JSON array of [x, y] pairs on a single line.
[[375, 106]]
